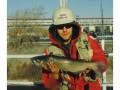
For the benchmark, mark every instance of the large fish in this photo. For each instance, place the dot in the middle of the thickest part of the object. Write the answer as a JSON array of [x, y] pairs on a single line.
[[71, 65]]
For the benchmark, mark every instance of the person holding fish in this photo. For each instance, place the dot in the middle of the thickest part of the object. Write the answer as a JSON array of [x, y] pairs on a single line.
[[69, 41]]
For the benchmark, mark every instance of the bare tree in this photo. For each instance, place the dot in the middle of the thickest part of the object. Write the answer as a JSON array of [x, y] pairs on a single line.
[[24, 25]]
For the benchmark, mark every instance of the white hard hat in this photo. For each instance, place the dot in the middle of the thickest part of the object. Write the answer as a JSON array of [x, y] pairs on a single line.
[[62, 15]]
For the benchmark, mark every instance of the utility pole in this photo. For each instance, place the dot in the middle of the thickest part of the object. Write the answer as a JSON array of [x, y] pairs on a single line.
[[102, 42], [102, 22]]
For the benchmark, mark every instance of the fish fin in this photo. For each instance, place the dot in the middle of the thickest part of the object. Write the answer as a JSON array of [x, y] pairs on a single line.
[[98, 70]]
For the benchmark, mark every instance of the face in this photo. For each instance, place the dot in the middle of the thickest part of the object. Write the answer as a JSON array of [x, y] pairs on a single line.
[[65, 32]]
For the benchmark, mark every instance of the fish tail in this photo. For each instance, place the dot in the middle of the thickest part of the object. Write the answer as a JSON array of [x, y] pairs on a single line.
[[100, 65], [98, 72]]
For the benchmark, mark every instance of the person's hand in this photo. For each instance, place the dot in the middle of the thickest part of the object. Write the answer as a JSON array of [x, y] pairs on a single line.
[[52, 68], [45, 67], [89, 75], [84, 73]]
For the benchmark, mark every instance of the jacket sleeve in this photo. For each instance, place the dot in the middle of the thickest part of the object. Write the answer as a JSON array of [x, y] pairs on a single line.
[[48, 80], [98, 53]]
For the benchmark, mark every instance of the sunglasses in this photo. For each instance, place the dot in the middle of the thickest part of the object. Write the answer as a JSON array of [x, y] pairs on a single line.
[[63, 25]]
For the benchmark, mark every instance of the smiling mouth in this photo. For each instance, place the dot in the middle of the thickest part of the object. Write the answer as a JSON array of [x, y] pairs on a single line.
[[64, 34]]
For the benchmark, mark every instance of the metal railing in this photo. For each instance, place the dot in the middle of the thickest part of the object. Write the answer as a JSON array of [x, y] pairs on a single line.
[[104, 85]]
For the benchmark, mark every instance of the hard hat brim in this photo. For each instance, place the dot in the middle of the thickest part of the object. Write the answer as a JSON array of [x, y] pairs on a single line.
[[53, 27]]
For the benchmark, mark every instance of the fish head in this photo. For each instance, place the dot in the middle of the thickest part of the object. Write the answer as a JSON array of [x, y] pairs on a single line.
[[40, 59], [44, 59]]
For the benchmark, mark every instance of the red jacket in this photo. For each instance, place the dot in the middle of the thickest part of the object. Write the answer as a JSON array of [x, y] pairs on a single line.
[[79, 83]]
